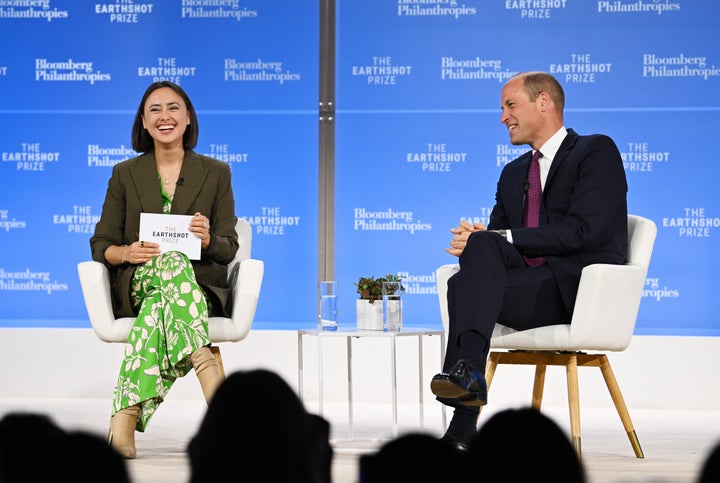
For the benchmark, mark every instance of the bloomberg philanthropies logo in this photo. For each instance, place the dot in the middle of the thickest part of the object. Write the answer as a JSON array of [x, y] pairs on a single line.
[[68, 71], [388, 220]]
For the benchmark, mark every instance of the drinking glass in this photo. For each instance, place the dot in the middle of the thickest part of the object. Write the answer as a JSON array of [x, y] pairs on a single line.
[[392, 306], [328, 305]]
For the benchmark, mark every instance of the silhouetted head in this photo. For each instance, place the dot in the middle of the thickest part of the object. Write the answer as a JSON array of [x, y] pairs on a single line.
[[524, 445], [255, 418]]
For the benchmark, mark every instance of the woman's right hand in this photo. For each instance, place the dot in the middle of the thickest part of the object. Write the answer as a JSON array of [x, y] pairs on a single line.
[[136, 253], [140, 252]]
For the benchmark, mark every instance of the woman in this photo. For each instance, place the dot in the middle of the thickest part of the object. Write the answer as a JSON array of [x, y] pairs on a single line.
[[170, 296]]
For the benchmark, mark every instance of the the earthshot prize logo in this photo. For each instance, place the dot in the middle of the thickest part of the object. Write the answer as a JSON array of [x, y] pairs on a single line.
[[641, 157], [222, 152], [80, 220], [381, 71], [693, 224], [436, 158], [272, 221], [535, 9], [127, 12], [30, 157], [481, 215], [166, 69], [580, 70]]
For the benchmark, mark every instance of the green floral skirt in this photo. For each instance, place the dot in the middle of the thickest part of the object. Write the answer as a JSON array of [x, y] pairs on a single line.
[[172, 323]]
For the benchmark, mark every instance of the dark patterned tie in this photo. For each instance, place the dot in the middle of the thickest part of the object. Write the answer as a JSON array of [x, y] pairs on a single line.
[[531, 213]]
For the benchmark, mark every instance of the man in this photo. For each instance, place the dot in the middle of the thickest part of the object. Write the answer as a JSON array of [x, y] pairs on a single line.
[[558, 208]]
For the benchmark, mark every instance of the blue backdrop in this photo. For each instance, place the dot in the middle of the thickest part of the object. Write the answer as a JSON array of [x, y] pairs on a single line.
[[419, 138], [417, 123]]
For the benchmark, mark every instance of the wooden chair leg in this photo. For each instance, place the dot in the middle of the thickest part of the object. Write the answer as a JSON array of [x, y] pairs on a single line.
[[538, 386], [622, 410], [490, 367], [216, 352], [574, 402]]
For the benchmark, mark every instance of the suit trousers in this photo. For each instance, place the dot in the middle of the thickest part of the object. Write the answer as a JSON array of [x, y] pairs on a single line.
[[495, 284]]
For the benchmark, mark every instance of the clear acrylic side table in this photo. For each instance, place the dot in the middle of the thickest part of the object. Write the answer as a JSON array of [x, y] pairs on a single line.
[[350, 334]]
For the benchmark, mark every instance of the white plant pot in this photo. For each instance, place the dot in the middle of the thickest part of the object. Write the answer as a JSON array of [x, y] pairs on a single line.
[[369, 315]]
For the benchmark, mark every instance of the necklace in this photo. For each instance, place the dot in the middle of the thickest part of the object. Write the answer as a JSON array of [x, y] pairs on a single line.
[[166, 181]]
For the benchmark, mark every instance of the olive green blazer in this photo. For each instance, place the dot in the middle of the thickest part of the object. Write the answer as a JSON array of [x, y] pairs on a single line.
[[134, 187]]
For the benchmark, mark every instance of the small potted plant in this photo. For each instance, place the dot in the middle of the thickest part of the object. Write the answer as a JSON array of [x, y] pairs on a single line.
[[369, 313]]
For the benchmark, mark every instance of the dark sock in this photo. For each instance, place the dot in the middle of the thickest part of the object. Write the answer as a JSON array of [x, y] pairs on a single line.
[[474, 348], [464, 423]]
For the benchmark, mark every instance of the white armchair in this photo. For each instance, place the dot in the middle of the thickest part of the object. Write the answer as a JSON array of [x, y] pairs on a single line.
[[603, 320], [245, 281]]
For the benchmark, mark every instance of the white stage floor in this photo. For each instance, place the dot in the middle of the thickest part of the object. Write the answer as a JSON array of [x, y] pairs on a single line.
[[675, 443]]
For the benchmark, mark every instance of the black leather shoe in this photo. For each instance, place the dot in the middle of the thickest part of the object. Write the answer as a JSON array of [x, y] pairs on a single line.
[[463, 383], [455, 442]]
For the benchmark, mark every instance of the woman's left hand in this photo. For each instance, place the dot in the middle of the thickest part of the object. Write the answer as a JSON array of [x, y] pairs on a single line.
[[200, 225]]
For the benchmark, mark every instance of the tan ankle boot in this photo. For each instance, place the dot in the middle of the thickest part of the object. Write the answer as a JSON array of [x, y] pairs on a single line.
[[207, 370], [122, 431]]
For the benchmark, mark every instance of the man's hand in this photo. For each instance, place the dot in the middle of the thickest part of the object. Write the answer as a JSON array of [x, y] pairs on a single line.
[[460, 236]]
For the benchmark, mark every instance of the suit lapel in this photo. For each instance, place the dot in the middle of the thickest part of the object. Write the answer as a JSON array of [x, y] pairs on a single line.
[[147, 184], [193, 174], [561, 155], [519, 191]]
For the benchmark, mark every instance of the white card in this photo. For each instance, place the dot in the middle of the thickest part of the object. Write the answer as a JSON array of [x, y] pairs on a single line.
[[171, 233]]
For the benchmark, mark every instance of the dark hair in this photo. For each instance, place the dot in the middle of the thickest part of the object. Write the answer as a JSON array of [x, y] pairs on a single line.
[[255, 414], [526, 435], [710, 471], [537, 82], [141, 140], [419, 458]]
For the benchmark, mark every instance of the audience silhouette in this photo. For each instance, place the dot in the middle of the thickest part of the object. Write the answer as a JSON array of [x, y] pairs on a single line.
[[416, 458], [33, 449], [519, 445], [710, 472], [256, 429], [278, 441]]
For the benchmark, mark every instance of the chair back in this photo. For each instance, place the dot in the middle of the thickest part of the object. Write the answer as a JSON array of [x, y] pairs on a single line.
[[609, 296]]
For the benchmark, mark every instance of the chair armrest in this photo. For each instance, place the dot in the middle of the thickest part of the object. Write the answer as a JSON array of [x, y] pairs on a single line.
[[95, 284], [607, 304], [442, 274], [245, 292]]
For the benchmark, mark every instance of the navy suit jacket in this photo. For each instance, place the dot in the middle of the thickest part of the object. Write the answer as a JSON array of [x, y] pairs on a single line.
[[583, 217]]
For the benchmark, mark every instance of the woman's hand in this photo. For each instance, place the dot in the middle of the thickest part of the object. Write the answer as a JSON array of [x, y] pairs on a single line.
[[200, 225], [136, 253], [140, 252]]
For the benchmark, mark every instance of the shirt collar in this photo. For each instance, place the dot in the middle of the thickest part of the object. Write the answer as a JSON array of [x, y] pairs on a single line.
[[551, 146]]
